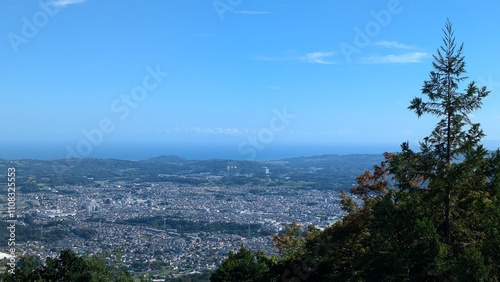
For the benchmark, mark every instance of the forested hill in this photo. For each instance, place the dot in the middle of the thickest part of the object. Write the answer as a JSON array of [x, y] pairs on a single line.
[[324, 172]]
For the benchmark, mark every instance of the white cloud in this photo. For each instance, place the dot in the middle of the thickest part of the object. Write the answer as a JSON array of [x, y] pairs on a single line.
[[218, 130], [312, 58], [65, 3], [248, 12], [317, 57], [267, 58], [204, 130], [414, 57], [393, 44]]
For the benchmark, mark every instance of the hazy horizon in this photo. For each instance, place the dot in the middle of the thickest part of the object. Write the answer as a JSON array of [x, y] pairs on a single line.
[[95, 75], [189, 151], [277, 150]]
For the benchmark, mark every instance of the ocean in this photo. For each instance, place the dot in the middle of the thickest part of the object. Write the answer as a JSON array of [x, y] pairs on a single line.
[[142, 151]]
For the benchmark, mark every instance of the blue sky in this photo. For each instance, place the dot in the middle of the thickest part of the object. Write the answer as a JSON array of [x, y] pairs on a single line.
[[80, 76]]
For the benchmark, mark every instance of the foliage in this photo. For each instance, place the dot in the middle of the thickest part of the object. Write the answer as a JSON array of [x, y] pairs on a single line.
[[85, 233], [199, 277], [431, 215], [36, 232], [243, 266], [449, 139], [67, 267]]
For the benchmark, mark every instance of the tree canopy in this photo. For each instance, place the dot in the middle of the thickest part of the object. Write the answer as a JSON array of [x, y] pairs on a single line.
[[67, 267], [426, 215]]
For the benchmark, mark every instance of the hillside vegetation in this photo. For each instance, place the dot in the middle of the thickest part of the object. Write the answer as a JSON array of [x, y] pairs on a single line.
[[427, 215]]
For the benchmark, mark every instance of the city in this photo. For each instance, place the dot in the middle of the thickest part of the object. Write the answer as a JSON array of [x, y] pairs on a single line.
[[168, 228]]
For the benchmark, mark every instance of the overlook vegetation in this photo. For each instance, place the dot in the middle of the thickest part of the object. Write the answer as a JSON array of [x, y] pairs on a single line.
[[427, 215], [67, 267]]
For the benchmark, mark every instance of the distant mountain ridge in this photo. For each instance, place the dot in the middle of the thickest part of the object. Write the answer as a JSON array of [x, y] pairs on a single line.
[[318, 172], [168, 159]]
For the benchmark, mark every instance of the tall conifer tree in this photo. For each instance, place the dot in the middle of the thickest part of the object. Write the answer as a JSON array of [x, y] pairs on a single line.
[[455, 134]]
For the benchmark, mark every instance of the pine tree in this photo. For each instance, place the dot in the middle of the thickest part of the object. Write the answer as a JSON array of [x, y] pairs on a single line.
[[455, 134], [398, 232]]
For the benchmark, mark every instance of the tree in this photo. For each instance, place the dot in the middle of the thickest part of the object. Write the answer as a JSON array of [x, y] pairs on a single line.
[[67, 267], [27, 269], [449, 139], [291, 242], [432, 215], [399, 233], [242, 266]]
